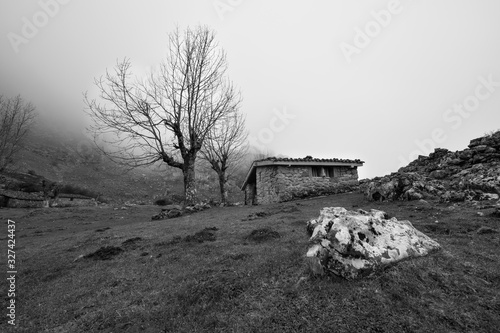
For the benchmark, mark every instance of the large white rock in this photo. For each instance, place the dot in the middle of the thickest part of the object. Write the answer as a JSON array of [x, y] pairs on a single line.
[[352, 244]]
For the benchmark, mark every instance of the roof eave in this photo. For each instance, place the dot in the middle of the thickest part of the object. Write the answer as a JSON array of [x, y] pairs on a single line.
[[307, 163], [249, 173]]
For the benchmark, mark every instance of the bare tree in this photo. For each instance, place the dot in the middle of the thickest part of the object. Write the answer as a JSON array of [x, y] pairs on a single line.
[[225, 148], [168, 116], [16, 117]]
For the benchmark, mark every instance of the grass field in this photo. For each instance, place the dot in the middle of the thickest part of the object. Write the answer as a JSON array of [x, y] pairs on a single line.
[[108, 269]]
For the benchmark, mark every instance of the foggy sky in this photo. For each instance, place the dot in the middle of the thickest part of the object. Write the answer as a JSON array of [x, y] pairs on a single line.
[[382, 81]]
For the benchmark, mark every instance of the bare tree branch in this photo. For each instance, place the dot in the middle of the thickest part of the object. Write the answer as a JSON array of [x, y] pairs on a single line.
[[16, 118], [168, 116], [225, 148]]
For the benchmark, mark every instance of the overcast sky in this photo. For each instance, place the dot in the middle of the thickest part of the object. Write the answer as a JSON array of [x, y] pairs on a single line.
[[382, 81]]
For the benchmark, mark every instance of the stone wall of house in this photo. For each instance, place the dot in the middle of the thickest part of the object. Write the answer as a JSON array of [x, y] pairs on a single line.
[[281, 183], [267, 185], [76, 202], [250, 194]]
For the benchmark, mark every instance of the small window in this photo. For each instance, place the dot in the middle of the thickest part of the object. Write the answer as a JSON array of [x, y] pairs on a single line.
[[316, 171], [329, 172]]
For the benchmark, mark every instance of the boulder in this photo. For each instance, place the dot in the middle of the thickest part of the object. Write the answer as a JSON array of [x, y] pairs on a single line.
[[489, 196], [354, 244], [168, 212], [174, 213]]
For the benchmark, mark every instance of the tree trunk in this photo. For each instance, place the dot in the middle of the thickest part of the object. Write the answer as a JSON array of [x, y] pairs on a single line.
[[189, 182], [222, 184]]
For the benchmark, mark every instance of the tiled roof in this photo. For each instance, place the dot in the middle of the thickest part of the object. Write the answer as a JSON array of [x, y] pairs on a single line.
[[309, 159]]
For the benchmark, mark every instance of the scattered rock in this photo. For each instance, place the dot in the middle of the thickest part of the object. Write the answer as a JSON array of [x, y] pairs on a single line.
[[480, 213], [453, 196], [198, 207], [168, 213], [489, 196], [174, 213], [131, 242], [104, 253], [486, 230], [358, 243], [80, 257], [264, 234], [424, 202], [159, 216]]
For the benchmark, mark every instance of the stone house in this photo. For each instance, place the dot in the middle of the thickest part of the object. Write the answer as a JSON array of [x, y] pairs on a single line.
[[19, 199], [71, 200], [274, 179]]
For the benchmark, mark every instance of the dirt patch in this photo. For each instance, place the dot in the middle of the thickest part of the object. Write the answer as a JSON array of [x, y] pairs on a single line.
[[105, 253], [131, 243], [262, 235], [205, 235], [239, 256]]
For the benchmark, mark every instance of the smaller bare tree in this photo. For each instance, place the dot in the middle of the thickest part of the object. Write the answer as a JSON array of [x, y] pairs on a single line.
[[16, 118], [225, 148]]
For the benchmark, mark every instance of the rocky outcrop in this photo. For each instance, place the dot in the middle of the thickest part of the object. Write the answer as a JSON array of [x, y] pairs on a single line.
[[353, 244], [469, 174]]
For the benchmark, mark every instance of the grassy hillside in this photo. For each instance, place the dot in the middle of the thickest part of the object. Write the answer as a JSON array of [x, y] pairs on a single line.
[[114, 270], [72, 159]]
